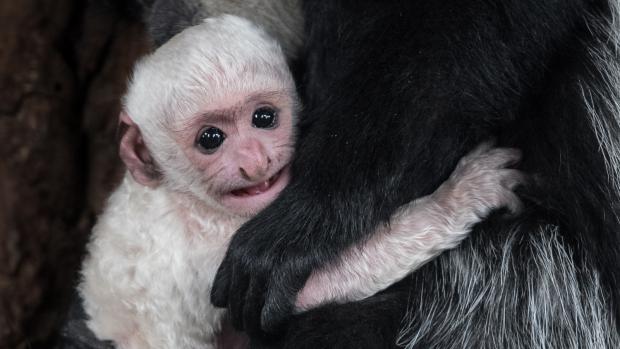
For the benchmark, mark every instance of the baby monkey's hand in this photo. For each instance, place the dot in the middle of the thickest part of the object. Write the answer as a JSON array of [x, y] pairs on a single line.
[[481, 183], [420, 230]]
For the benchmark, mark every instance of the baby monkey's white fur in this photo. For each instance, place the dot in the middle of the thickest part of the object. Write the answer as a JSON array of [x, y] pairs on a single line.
[[156, 247]]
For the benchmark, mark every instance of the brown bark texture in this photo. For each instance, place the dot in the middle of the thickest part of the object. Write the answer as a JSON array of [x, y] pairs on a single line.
[[63, 68]]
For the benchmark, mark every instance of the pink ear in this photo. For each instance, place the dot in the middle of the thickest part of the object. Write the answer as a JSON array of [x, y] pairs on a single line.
[[135, 154]]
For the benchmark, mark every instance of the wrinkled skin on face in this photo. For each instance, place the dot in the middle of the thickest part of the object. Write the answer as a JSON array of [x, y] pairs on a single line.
[[249, 168], [235, 151]]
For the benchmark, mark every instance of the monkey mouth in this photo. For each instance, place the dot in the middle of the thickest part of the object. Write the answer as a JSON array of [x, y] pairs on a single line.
[[259, 188], [247, 201]]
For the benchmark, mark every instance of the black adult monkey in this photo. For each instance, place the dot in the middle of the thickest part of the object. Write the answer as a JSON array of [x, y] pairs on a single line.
[[395, 92]]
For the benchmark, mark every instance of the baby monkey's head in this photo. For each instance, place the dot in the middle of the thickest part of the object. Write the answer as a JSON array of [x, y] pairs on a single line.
[[211, 114]]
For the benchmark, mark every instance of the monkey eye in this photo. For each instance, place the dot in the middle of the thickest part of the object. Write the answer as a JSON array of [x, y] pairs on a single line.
[[265, 117], [210, 139]]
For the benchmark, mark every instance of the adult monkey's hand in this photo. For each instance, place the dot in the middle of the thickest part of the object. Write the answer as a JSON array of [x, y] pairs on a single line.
[[375, 135], [271, 256]]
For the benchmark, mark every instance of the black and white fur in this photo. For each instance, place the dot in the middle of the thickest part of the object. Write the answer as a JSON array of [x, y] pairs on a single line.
[[281, 19], [156, 247], [402, 90]]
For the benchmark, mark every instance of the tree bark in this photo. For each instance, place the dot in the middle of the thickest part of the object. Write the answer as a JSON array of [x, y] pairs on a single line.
[[63, 64]]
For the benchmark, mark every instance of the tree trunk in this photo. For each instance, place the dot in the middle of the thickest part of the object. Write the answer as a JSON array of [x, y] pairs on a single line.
[[63, 64]]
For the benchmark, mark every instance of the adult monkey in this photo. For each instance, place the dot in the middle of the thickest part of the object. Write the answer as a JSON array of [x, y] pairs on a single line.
[[386, 79]]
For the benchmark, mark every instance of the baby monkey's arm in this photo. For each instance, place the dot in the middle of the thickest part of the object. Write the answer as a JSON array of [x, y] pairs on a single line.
[[420, 230]]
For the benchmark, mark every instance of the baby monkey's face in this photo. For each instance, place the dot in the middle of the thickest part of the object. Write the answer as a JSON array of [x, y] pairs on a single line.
[[242, 145]]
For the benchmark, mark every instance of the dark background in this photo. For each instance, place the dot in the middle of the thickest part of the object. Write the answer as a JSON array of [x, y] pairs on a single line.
[[63, 67]]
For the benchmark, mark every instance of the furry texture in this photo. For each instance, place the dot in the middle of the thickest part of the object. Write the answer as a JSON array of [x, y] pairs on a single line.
[[282, 19], [148, 255], [208, 65], [155, 249], [402, 90], [420, 231], [153, 253], [559, 304]]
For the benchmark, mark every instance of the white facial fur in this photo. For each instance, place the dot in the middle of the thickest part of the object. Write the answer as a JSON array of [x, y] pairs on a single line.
[[154, 252], [156, 247], [189, 84]]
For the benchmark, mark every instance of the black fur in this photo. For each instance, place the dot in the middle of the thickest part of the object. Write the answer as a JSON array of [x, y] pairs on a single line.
[[166, 18], [75, 334], [395, 93]]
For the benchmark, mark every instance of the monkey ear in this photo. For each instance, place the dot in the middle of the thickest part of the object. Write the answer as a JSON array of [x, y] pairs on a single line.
[[135, 153]]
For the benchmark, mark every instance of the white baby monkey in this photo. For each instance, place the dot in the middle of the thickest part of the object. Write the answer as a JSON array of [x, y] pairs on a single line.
[[207, 135]]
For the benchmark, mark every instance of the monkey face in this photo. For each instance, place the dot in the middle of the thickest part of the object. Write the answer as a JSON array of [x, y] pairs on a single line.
[[210, 114], [240, 148]]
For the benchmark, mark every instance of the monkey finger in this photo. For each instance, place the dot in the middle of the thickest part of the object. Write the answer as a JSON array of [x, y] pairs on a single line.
[[254, 302], [502, 157], [481, 149], [513, 203], [511, 179], [278, 303], [475, 154], [237, 295]]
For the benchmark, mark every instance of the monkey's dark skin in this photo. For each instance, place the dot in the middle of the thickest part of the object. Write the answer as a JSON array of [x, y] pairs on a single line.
[[394, 93]]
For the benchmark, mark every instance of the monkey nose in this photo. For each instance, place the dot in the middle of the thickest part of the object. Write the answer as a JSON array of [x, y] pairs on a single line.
[[256, 171], [254, 162]]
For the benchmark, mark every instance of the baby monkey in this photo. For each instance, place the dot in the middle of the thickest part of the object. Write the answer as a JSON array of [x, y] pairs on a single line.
[[207, 135]]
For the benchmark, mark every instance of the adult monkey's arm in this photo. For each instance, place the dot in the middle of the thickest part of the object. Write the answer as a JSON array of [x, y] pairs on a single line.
[[396, 93]]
